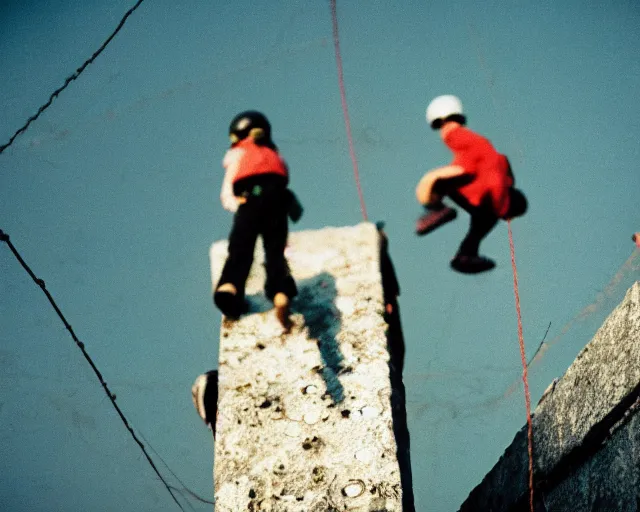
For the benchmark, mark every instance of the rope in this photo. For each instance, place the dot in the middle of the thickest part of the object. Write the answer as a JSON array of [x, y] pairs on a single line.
[[525, 378], [112, 397], [345, 110], [69, 79]]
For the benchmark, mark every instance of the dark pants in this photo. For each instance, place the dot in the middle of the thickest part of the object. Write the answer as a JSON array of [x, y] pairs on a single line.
[[483, 217], [264, 214]]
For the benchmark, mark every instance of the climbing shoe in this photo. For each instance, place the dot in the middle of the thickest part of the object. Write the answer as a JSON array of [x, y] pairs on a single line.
[[471, 264], [229, 303], [434, 219]]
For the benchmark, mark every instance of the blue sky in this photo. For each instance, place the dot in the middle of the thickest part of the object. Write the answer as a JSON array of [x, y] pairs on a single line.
[[112, 198]]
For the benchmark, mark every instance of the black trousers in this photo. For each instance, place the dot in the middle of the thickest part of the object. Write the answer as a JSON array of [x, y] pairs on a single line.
[[483, 217], [264, 214]]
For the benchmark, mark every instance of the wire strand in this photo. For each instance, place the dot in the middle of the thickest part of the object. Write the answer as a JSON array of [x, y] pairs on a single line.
[[345, 109], [112, 397], [70, 78], [630, 265], [184, 487]]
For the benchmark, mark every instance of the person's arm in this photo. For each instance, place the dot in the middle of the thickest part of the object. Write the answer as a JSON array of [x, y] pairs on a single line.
[[227, 198], [230, 162], [424, 190]]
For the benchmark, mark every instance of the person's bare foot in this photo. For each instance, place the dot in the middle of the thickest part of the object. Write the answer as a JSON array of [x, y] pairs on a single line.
[[281, 303]]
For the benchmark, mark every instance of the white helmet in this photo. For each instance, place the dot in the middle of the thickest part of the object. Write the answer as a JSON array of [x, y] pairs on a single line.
[[442, 108]]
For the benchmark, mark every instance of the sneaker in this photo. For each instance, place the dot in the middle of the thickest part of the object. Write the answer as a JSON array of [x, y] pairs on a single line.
[[227, 300], [471, 264], [434, 219], [281, 303]]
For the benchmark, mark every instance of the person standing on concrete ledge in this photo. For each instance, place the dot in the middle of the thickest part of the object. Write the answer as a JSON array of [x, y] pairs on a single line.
[[479, 180], [255, 189]]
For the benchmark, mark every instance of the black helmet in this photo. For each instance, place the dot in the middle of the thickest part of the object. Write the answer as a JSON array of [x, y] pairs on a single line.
[[244, 122]]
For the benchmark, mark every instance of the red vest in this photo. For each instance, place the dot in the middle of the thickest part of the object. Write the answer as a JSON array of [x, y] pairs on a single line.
[[256, 160], [488, 168]]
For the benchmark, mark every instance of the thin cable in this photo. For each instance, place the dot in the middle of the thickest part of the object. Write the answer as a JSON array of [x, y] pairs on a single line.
[[525, 377], [178, 491], [5, 238], [606, 293], [72, 77], [345, 110], [539, 346], [630, 265], [184, 487]]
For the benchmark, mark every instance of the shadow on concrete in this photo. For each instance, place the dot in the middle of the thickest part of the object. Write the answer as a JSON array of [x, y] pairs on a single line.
[[316, 302], [257, 303]]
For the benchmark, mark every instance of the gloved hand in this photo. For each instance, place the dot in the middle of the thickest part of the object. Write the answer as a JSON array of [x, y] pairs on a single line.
[[295, 208], [228, 199]]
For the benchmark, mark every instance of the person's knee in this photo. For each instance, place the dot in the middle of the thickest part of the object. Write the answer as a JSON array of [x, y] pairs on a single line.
[[518, 204], [423, 189]]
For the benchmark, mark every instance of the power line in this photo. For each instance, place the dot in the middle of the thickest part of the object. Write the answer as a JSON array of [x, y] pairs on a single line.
[[112, 397], [70, 78], [184, 487]]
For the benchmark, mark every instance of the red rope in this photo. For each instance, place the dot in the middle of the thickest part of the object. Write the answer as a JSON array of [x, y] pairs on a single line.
[[525, 378], [345, 110]]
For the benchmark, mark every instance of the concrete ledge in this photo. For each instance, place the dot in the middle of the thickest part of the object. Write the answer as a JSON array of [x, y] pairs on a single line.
[[596, 400], [609, 479], [305, 420]]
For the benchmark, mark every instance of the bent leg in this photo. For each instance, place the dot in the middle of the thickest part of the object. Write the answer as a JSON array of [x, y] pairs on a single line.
[[438, 213], [242, 242], [274, 237], [467, 260], [483, 220]]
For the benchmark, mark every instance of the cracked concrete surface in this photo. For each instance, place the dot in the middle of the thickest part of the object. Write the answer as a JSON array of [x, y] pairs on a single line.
[[305, 421], [586, 431]]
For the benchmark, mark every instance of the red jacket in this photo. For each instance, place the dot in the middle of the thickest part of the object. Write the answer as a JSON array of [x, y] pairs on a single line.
[[488, 168]]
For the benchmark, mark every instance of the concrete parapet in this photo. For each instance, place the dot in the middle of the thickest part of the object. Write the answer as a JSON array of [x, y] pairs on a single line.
[[305, 420], [585, 431]]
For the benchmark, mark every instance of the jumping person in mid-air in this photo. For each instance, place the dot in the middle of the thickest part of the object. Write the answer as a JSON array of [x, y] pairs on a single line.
[[479, 180], [255, 188]]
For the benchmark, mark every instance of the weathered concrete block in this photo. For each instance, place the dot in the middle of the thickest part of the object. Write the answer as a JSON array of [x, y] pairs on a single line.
[[305, 418], [609, 480], [595, 400]]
